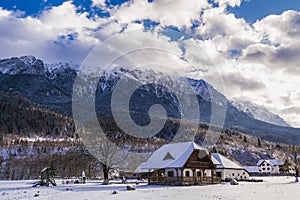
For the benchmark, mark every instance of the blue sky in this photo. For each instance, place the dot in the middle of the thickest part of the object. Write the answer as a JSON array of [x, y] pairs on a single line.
[[34, 7], [253, 10], [250, 10]]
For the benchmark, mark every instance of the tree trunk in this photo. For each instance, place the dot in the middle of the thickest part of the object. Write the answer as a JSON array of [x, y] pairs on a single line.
[[105, 174], [297, 174]]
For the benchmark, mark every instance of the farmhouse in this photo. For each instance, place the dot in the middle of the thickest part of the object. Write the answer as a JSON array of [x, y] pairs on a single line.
[[270, 166], [187, 162], [181, 163], [228, 169]]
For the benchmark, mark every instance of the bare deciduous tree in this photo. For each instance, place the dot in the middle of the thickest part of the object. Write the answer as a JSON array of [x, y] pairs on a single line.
[[107, 153]]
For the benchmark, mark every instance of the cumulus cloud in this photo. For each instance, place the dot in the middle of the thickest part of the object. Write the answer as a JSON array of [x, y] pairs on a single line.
[[98, 3], [231, 3], [177, 13], [282, 29], [227, 31], [281, 46], [60, 33]]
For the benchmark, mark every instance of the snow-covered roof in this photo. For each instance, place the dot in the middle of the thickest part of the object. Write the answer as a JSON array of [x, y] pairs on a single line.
[[225, 162], [272, 162], [141, 169], [172, 155], [252, 169], [215, 161]]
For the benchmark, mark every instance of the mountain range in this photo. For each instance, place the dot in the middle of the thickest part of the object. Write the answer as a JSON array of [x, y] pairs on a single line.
[[259, 112], [50, 87]]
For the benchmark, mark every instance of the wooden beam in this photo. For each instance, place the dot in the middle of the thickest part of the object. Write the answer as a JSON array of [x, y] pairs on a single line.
[[182, 175], [194, 175]]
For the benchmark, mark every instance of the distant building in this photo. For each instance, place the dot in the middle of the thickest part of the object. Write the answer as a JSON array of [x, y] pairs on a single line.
[[272, 166]]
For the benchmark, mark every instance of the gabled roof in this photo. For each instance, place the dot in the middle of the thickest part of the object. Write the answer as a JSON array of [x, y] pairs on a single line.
[[272, 162], [225, 162], [179, 151], [141, 169]]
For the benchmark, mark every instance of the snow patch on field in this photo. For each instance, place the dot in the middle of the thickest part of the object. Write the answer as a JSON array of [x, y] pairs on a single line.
[[272, 188]]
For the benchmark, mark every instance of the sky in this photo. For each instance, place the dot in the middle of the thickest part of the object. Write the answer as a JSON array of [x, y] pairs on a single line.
[[255, 44]]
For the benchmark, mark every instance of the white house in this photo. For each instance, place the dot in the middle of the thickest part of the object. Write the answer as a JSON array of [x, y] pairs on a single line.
[[270, 166], [227, 169]]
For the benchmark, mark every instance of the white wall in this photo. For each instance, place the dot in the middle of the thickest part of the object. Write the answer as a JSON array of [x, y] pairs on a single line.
[[266, 168], [238, 174]]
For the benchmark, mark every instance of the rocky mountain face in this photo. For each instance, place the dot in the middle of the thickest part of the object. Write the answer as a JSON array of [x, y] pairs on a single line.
[[259, 112], [50, 86]]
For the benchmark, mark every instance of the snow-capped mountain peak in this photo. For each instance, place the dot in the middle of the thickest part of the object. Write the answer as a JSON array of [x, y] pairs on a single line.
[[259, 112], [22, 65], [34, 66]]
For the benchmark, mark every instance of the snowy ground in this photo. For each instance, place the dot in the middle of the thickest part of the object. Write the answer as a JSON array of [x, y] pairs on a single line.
[[272, 188]]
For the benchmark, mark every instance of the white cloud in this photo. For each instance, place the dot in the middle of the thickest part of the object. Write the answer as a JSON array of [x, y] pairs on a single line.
[[226, 30], [177, 13], [231, 3], [280, 29], [46, 36], [99, 3]]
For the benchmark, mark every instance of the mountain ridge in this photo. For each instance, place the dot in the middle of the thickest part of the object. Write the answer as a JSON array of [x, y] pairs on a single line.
[[259, 112], [53, 90]]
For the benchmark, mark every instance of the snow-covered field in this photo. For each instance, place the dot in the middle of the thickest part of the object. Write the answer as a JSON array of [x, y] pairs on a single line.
[[272, 188]]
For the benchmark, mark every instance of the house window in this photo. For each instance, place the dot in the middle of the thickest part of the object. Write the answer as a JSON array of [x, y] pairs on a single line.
[[264, 169], [199, 174], [268, 168], [232, 174], [244, 173], [238, 174], [187, 173], [268, 164], [170, 173]]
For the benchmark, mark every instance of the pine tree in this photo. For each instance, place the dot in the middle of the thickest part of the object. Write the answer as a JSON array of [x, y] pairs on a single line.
[[259, 142], [245, 138]]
